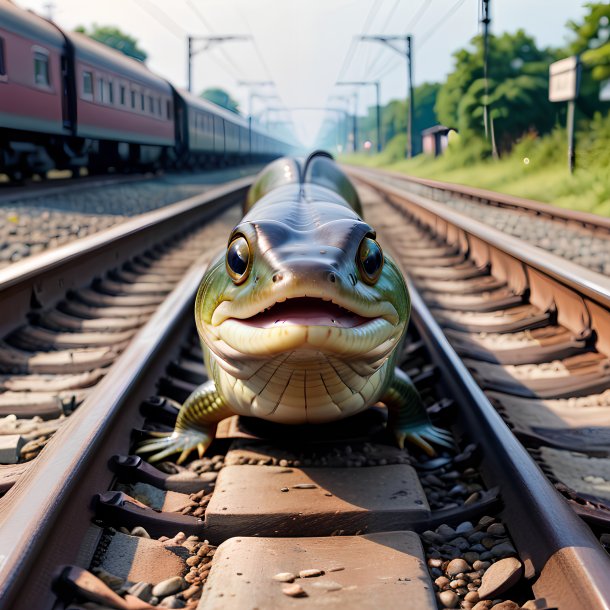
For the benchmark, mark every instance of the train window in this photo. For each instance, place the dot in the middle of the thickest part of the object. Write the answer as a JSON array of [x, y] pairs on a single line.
[[100, 89], [110, 92], [2, 63], [133, 100], [159, 106], [122, 95], [87, 84], [41, 69], [141, 101], [168, 109], [151, 104]]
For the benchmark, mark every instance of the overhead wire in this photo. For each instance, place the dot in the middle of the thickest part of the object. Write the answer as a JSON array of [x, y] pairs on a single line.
[[235, 70]]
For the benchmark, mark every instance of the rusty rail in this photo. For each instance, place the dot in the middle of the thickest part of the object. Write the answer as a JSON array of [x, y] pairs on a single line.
[[41, 280], [495, 198]]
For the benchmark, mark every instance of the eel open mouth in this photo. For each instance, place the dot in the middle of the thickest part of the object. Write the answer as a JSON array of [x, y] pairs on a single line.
[[305, 311]]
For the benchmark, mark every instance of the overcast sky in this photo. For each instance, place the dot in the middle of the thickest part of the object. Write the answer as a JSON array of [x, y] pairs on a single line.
[[304, 46]]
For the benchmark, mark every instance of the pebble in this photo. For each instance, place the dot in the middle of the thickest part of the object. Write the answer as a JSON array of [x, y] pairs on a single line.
[[507, 605], [143, 590], [464, 527], [284, 577], [446, 532], [305, 486], [294, 591], [496, 529], [471, 557], [457, 566], [448, 598], [169, 586], [483, 605], [481, 565], [140, 532], [472, 597], [504, 549], [500, 577], [310, 573], [172, 602]]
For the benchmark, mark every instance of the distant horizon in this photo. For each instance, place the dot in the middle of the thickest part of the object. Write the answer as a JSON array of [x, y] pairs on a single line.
[[308, 56]]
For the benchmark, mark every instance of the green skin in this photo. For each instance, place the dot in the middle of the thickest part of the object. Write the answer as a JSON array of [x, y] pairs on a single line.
[[305, 334]]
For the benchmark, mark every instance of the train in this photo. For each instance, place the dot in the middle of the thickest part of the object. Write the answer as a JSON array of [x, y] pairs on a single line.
[[68, 102]]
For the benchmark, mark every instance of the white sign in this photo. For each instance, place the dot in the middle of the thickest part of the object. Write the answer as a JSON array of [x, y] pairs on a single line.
[[564, 79]]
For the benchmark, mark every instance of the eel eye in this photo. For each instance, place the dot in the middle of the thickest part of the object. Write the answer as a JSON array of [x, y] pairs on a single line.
[[237, 260], [370, 260]]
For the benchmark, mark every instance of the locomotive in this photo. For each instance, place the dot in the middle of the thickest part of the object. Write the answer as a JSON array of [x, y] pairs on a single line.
[[67, 102]]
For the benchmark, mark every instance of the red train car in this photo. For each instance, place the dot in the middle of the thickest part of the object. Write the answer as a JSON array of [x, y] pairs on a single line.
[[33, 115], [123, 110]]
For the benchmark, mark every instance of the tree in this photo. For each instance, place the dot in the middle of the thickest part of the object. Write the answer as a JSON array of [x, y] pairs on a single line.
[[221, 98], [517, 90], [591, 42], [113, 37], [394, 116]]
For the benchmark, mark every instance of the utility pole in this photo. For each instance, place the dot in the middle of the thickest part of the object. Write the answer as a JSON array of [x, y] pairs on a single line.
[[346, 117], [377, 85], [209, 41], [487, 122], [407, 53], [251, 95]]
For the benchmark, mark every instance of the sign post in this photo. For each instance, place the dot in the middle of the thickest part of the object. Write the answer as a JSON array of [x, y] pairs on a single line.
[[564, 81]]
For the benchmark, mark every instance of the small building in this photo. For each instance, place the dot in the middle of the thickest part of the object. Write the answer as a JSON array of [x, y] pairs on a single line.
[[435, 140]]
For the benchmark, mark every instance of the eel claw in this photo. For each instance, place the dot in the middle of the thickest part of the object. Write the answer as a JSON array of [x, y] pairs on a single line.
[[178, 441], [423, 436]]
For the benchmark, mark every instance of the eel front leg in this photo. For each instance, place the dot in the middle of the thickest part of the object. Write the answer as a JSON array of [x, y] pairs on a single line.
[[408, 419], [195, 426]]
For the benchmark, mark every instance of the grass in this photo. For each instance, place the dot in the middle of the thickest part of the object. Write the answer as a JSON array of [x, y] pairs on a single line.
[[537, 168]]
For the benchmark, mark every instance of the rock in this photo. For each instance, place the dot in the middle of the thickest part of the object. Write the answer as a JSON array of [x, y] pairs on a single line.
[[496, 529], [464, 527], [441, 582], [432, 537], [507, 605], [457, 566], [485, 521], [448, 599], [471, 557], [10, 448], [294, 591], [143, 590], [472, 597], [445, 532], [483, 605], [310, 573], [480, 565], [503, 550], [140, 532], [284, 577], [169, 586], [172, 602], [500, 577]]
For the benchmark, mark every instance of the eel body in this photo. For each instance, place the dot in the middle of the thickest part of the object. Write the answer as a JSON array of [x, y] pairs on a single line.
[[300, 317]]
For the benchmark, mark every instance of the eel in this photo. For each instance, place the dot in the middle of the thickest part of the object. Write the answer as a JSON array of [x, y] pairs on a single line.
[[300, 317]]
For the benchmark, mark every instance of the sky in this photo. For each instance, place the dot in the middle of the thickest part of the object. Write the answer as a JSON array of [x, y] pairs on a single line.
[[306, 46]]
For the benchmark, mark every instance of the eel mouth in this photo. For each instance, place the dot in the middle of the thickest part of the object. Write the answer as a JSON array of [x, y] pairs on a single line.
[[305, 311]]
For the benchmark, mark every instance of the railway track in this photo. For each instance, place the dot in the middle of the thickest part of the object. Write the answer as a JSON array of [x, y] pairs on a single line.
[[270, 517], [580, 237]]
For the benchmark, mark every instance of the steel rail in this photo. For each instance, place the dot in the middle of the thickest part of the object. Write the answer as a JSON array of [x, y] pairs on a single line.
[[40, 281], [556, 546], [497, 199], [584, 281], [42, 518]]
